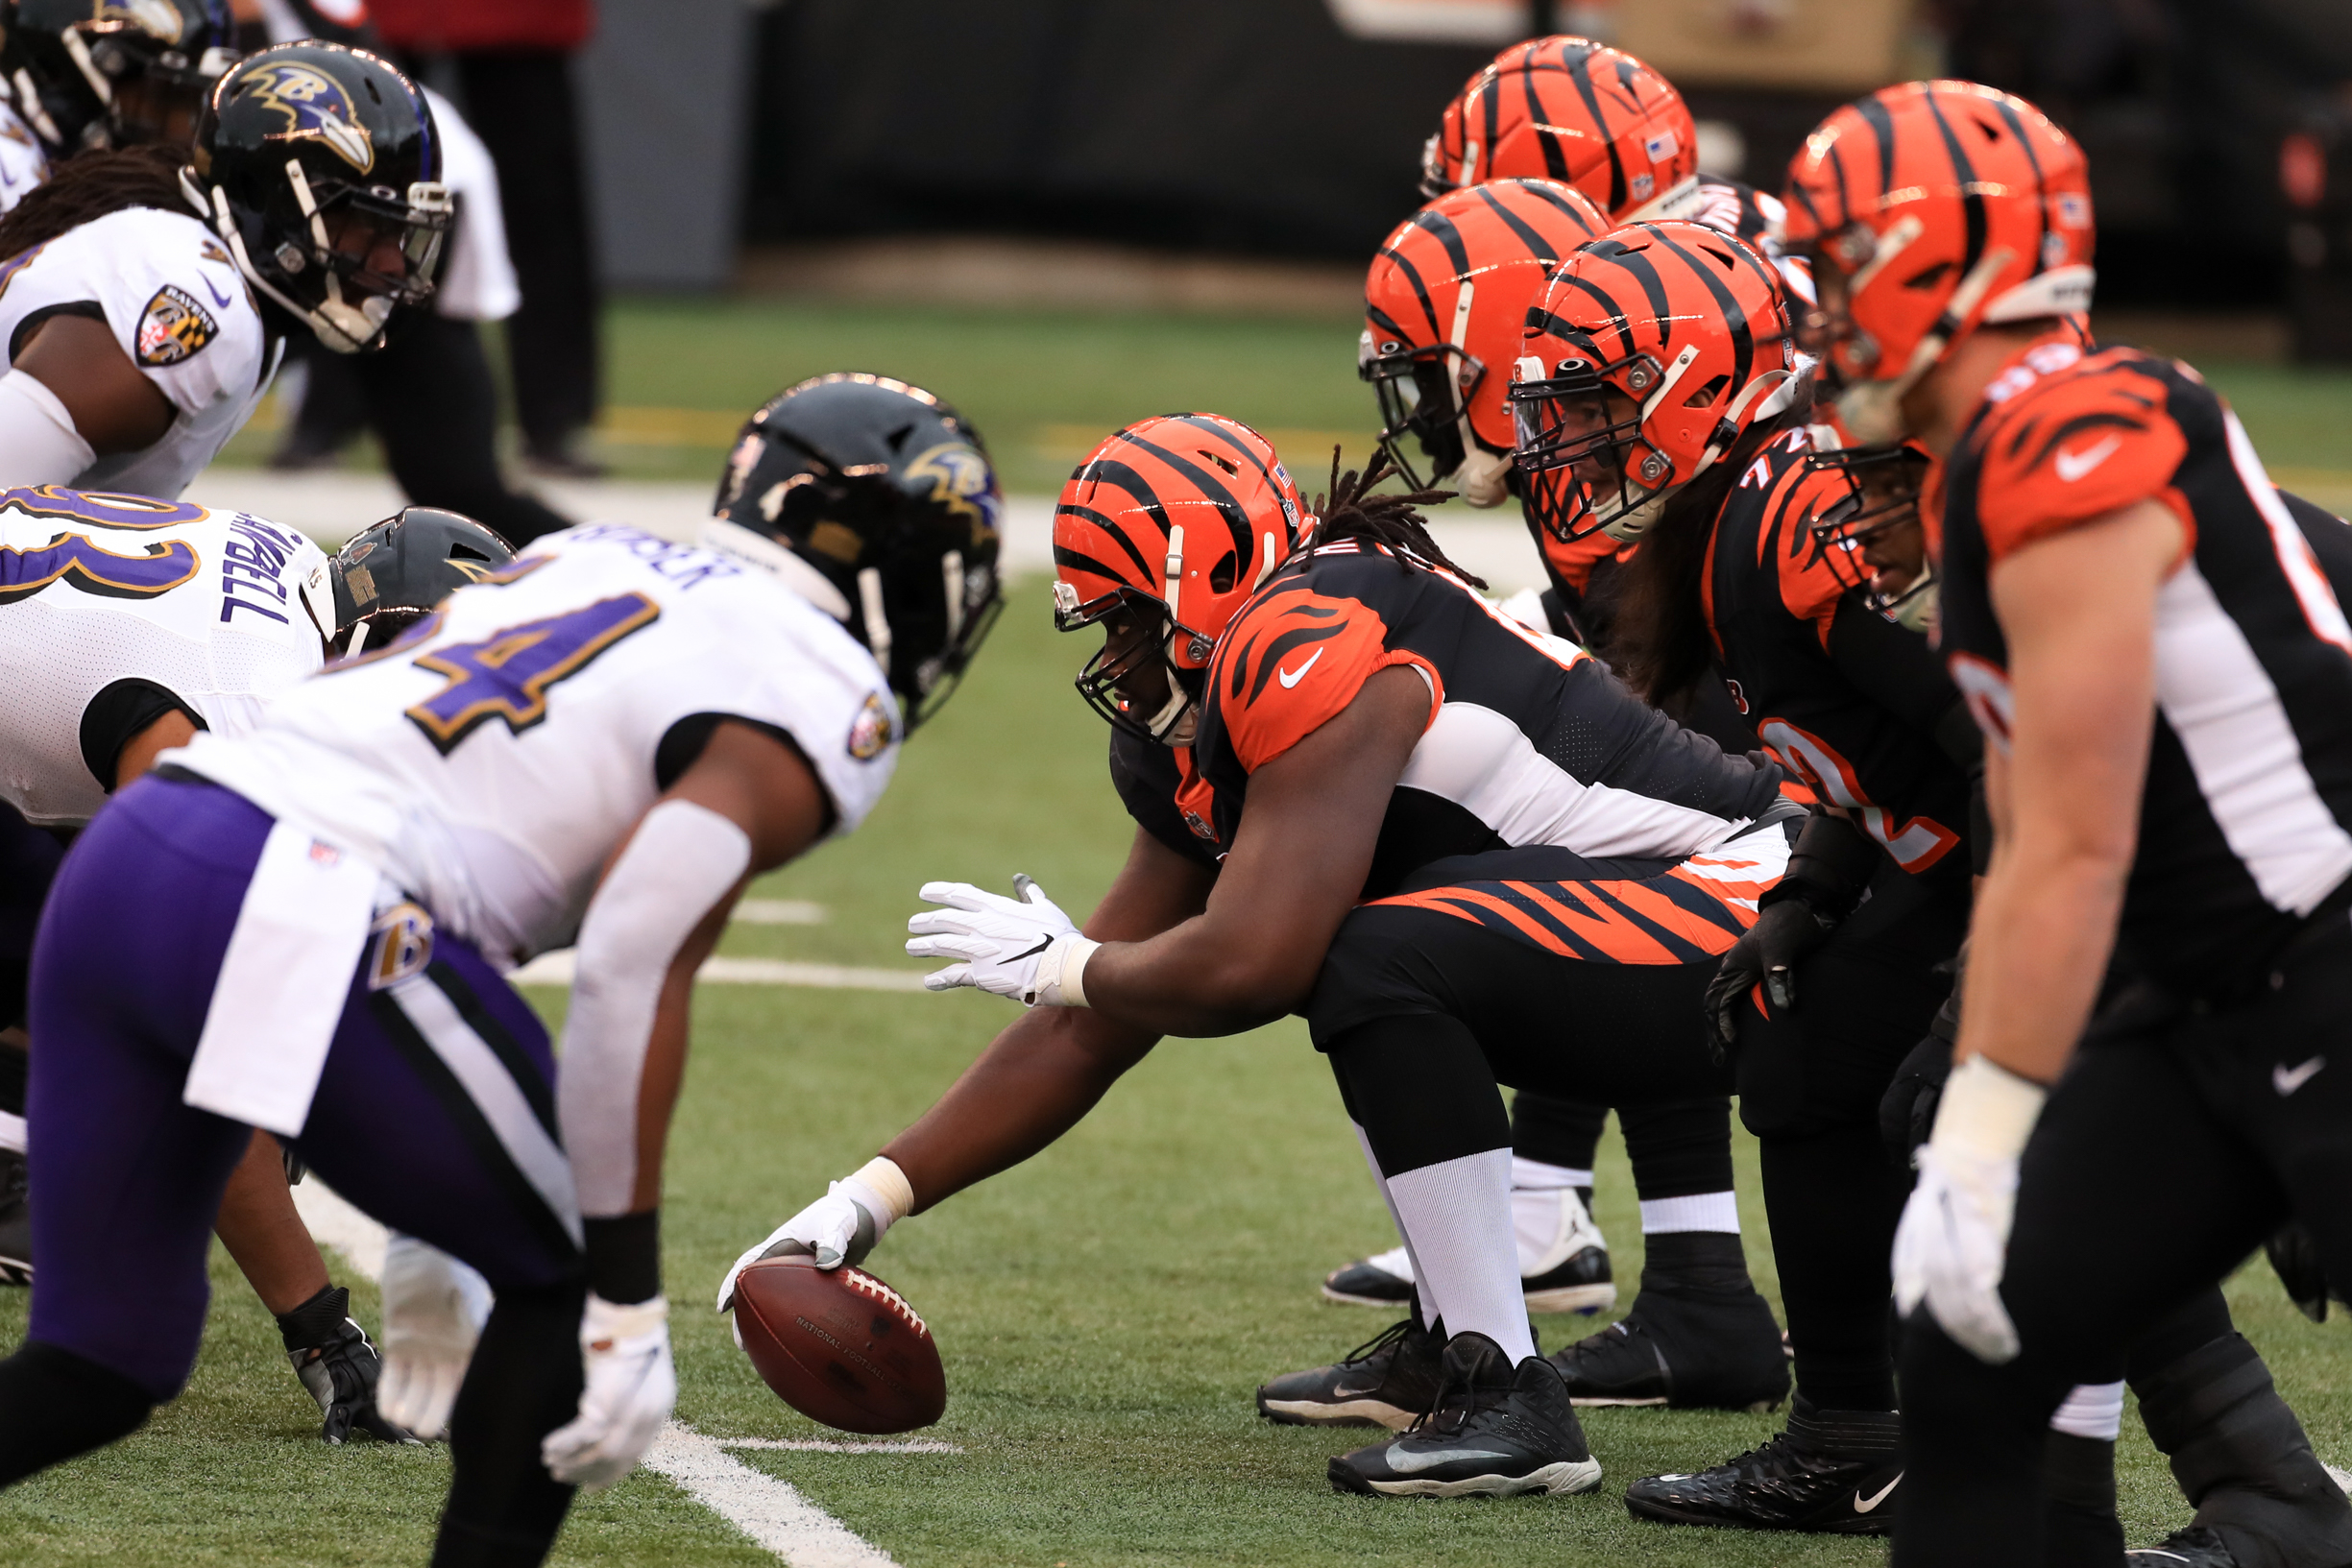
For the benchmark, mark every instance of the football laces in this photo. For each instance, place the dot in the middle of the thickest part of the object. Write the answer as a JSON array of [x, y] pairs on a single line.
[[866, 1284]]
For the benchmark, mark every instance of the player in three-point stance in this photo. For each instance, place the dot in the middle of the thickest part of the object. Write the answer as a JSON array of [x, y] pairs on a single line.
[[2161, 670], [600, 743]]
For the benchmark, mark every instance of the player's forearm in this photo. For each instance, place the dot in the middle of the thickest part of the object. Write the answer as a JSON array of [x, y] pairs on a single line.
[[1201, 980], [2037, 947], [1034, 1083]]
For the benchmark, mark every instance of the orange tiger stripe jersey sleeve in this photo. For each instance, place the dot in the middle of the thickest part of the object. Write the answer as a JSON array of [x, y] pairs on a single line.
[[1293, 661], [2068, 448]]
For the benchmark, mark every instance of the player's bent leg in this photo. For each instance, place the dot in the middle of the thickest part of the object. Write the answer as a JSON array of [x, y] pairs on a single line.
[[505, 1510]]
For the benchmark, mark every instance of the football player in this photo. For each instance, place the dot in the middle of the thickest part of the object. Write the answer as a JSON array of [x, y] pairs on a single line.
[[322, 909], [149, 291], [1445, 303], [1459, 834], [82, 76], [2159, 665], [131, 625]]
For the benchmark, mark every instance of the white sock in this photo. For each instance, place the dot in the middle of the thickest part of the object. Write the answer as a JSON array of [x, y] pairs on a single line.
[[1456, 1217], [12, 1132], [1535, 1176], [1423, 1309], [1699, 1211], [2091, 1410]]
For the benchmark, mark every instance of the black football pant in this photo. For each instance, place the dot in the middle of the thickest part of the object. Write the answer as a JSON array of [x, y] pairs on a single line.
[[1810, 1083], [2181, 1136]]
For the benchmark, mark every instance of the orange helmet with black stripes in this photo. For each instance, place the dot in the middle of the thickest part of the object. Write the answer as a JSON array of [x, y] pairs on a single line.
[[1443, 305], [1159, 536], [1649, 352], [1571, 109], [1930, 209]]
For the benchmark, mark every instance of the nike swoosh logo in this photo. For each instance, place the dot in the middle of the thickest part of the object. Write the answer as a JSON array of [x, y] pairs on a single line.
[[1864, 1505], [2288, 1080], [1289, 679], [1408, 1464], [2073, 466], [1043, 944], [218, 298]]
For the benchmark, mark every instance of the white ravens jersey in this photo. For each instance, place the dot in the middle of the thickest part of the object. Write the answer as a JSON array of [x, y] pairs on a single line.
[[175, 302], [491, 762], [98, 589], [24, 162]]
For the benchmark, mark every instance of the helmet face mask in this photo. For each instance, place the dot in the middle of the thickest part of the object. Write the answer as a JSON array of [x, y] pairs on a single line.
[[1422, 394], [1134, 679], [319, 168], [1582, 459], [1872, 539]]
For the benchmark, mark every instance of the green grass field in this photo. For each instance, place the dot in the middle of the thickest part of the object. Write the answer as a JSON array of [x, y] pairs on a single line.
[[1104, 1311], [1043, 388]]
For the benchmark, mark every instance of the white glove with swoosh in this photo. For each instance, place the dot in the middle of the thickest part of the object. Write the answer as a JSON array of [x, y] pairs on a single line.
[[1024, 948], [1952, 1243]]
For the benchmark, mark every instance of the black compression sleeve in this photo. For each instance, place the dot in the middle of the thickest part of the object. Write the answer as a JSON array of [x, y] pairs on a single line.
[[1892, 665], [624, 1257], [117, 715]]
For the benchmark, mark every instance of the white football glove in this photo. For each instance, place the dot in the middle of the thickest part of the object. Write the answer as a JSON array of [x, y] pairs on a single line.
[[835, 1229], [1020, 948], [434, 1308], [631, 1390], [1952, 1245]]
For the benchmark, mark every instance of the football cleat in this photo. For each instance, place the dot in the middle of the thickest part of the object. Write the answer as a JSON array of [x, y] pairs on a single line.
[[1496, 1431], [1570, 1274], [1390, 1382], [16, 1223], [2195, 1547], [1720, 1353], [1385, 1279], [338, 1367], [1831, 1474]]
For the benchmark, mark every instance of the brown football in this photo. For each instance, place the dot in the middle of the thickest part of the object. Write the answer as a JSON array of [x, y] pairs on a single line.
[[839, 1346]]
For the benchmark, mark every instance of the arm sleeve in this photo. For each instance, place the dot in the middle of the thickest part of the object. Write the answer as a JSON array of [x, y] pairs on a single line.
[[681, 861], [117, 715], [39, 444]]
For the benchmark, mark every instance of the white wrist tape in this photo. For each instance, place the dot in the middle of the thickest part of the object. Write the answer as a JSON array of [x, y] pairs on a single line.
[[1987, 1111], [682, 860], [1061, 972], [881, 1189], [39, 444]]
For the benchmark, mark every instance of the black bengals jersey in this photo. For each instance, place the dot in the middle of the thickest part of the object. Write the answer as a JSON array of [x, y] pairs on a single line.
[[1856, 705], [2245, 823], [1531, 740], [1156, 785]]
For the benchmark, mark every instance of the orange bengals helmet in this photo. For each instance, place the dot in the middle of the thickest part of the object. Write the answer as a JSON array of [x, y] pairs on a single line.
[[1932, 208], [1172, 522], [1444, 305], [1684, 322], [1571, 109]]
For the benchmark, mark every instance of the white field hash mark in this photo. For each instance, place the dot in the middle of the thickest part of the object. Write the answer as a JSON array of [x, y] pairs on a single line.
[[770, 1511], [556, 969]]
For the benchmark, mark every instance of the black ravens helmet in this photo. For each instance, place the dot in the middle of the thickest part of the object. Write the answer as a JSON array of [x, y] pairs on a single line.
[[90, 74], [888, 494], [319, 166], [388, 577]]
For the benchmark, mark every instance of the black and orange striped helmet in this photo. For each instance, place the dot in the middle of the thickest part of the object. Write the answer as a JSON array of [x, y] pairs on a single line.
[[1444, 305], [1929, 209], [1649, 352], [1160, 535], [1571, 109]]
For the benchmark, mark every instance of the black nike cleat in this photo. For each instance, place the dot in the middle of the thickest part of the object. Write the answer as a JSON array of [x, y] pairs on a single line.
[[1834, 1473], [1392, 1382], [2195, 1547], [16, 1223], [1711, 1352], [1496, 1431], [1385, 1279]]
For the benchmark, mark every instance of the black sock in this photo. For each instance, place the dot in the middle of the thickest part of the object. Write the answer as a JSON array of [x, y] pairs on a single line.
[[1694, 1264], [505, 1509], [1848, 1433], [55, 1404], [14, 1064], [317, 1321], [2079, 1527]]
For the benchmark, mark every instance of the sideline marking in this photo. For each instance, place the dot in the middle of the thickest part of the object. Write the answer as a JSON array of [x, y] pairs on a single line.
[[556, 969], [770, 1511]]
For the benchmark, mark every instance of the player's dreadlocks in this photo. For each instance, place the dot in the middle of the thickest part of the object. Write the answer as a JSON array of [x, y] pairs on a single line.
[[92, 186], [1350, 511]]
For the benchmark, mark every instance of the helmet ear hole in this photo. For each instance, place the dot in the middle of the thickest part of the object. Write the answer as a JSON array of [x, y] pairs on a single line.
[[1708, 393], [1223, 574]]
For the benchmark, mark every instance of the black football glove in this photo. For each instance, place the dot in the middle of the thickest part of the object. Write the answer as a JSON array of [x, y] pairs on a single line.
[[338, 1367], [1906, 1112], [2294, 1253], [1784, 934]]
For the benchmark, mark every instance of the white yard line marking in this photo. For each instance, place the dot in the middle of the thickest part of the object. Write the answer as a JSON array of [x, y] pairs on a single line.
[[771, 1511], [826, 1445], [778, 912], [556, 969]]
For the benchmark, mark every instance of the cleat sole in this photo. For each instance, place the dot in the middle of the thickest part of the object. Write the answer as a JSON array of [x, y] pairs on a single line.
[[1666, 1514], [1565, 1479], [1353, 1412], [1346, 1298], [1584, 1299]]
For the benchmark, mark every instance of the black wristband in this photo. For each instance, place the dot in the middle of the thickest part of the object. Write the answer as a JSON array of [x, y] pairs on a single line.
[[1828, 867], [624, 1257], [317, 1322]]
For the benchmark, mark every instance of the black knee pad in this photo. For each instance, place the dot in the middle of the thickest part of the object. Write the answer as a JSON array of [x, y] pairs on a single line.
[[55, 1404], [505, 1509]]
